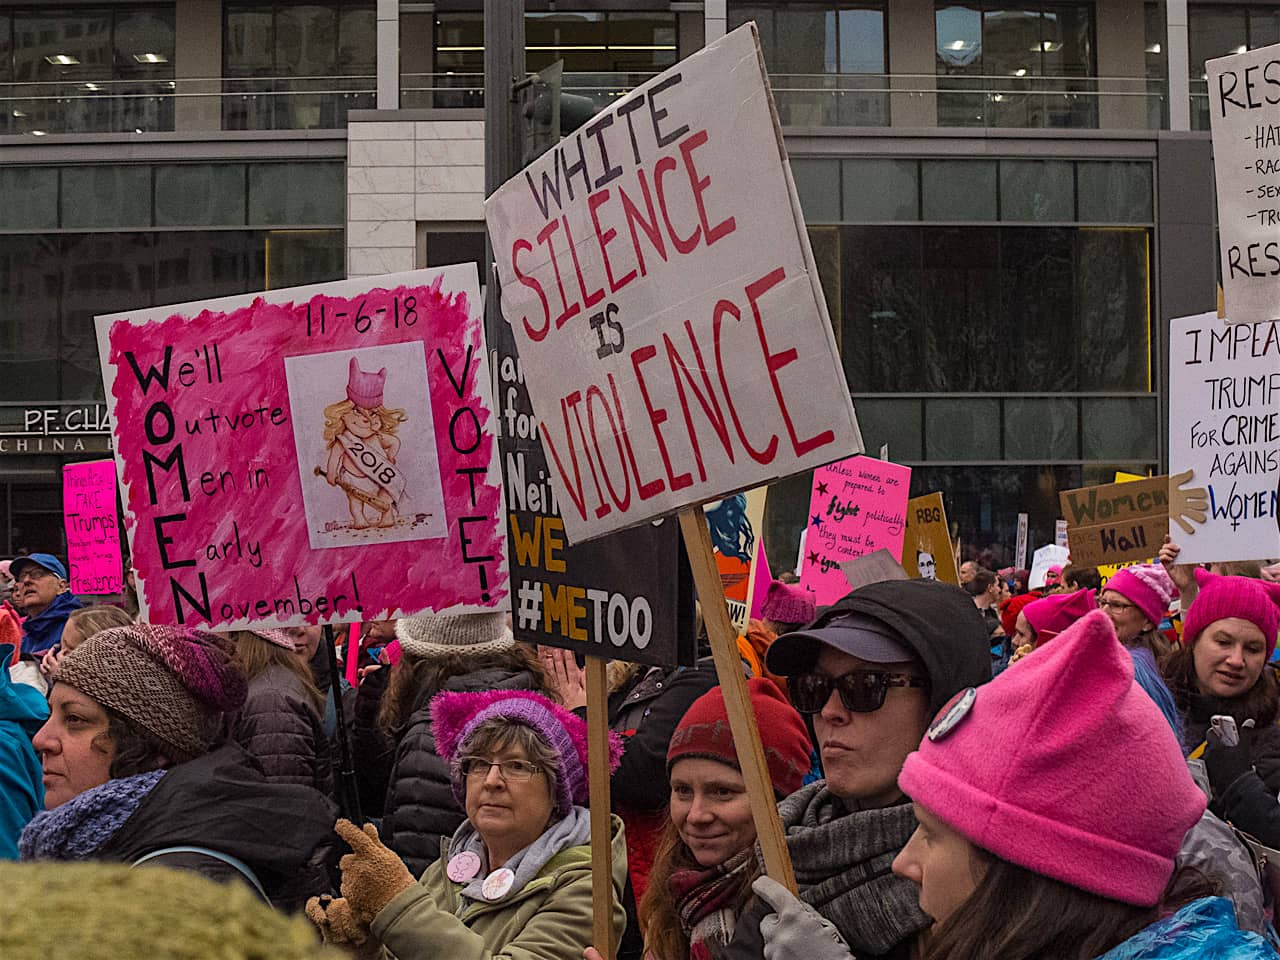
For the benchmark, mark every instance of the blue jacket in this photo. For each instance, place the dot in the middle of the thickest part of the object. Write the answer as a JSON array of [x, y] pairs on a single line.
[[44, 630], [1202, 929], [22, 712]]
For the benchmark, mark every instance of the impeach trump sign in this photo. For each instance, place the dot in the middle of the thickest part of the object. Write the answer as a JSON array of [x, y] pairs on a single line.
[[312, 454], [657, 275]]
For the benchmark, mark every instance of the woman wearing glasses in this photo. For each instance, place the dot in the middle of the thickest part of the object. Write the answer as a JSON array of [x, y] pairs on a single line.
[[868, 673], [515, 878]]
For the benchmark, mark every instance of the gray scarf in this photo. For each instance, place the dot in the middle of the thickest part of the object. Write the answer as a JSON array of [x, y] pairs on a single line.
[[842, 863]]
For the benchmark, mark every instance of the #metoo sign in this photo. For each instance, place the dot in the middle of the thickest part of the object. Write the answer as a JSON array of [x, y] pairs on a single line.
[[658, 280], [309, 455]]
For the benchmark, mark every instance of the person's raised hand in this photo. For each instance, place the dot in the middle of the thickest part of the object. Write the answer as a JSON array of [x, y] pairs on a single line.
[[563, 673], [333, 919], [1183, 575], [794, 930], [372, 874]]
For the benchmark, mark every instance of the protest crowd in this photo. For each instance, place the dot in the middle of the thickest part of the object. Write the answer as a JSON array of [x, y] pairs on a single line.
[[1076, 770]]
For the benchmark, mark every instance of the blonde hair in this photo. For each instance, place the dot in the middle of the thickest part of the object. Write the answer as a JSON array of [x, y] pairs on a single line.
[[90, 620], [388, 420]]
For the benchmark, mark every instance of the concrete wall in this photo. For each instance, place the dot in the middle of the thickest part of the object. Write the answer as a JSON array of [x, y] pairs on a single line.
[[406, 168], [197, 52]]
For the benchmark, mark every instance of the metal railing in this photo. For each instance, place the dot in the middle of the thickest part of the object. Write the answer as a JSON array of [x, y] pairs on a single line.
[[803, 100], [206, 103]]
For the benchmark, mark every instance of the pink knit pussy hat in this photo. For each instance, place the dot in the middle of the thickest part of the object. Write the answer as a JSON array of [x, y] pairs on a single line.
[[1148, 587], [365, 389], [1092, 791], [1241, 597], [1050, 615]]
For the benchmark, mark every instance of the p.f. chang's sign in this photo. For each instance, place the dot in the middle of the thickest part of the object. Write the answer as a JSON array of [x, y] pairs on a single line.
[[54, 428]]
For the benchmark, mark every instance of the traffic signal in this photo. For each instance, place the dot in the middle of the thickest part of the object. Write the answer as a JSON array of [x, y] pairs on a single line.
[[547, 114]]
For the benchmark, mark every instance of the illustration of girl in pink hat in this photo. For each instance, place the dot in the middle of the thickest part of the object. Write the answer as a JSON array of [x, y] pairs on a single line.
[[360, 434]]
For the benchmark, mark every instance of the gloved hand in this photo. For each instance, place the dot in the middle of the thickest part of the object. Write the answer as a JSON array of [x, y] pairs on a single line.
[[333, 918], [1226, 764], [795, 931], [371, 873]]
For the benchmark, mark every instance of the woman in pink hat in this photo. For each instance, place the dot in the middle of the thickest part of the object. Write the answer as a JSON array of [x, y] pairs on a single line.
[[1042, 620], [1055, 844], [1137, 599], [1228, 634]]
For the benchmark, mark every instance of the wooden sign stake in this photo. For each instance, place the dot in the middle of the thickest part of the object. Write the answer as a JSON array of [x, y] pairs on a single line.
[[742, 719], [601, 811]]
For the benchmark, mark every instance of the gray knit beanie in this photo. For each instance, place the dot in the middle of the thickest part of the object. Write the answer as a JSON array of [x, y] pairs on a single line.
[[468, 634]]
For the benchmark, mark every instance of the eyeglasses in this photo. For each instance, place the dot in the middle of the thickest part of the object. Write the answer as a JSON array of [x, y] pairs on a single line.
[[514, 770], [861, 691], [1115, 605], [31, 575]]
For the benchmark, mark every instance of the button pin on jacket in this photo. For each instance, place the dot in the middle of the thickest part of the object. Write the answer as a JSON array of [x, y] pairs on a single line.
[[463, 866], [497, 884]]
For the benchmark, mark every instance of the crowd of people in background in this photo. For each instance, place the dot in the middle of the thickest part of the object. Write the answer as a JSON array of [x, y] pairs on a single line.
[[1084, 767]]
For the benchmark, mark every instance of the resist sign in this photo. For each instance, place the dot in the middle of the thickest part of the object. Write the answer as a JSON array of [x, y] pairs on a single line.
[[313, 454], [1224, 437], [1244, 115], [93, 533], [658, 279]]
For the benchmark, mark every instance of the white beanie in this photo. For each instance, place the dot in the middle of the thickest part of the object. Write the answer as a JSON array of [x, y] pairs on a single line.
[[468, 634]]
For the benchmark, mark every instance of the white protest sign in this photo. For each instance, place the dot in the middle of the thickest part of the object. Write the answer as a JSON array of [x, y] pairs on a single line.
[[1224, 428], [657, 275], [1050, 555], [1244, 115], [1020, 552]]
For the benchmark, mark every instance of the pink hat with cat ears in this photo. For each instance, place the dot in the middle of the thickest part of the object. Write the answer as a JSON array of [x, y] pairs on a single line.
[[365, 389]]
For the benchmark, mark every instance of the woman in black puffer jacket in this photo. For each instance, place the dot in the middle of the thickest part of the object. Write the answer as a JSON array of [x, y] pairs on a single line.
[[465, 653]]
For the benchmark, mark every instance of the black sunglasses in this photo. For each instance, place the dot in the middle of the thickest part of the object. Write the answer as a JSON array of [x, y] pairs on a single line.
[[861, 691]]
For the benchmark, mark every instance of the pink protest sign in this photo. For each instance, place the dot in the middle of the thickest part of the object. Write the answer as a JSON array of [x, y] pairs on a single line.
[[314, 454], [857, 506], [93, 533]]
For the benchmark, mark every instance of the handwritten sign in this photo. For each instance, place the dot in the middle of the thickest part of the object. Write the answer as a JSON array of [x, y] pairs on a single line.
[[927, 553], [594, 597], [1244, 116], [1050, 555], [305, 455], [1020, 551], [657, 275], [1114, 522], [1224, 427], [857, 506], [93, 533]]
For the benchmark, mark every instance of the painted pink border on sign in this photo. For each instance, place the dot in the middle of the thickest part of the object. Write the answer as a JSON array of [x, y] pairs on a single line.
[[211, 531]]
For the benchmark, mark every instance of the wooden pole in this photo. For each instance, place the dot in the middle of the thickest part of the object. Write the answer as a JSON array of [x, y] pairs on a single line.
[[601, 812], [742, 719]]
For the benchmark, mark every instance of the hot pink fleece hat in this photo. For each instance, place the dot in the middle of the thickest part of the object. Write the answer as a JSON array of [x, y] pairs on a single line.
[[1039, 800], [1221, 597], [1056, 612], [1147, 586], [365, 389]]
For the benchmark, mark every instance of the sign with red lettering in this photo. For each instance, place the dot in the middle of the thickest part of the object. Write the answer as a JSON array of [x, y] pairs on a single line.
[[658, 279], [309, 455], [93, 533], [1244, 90]]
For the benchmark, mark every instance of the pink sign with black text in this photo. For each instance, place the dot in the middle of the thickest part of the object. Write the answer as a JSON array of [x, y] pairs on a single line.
[[93, 533], [857, 506], [309, 455]]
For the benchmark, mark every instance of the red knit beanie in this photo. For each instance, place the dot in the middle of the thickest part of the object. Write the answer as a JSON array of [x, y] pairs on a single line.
[[1242, 597], [1010, 609], [704, 732]]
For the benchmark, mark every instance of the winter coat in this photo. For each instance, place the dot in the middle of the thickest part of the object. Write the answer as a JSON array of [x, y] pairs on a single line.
[[1264, 745], [281, 728], [373, 753], [1251, 807], [1202, 929], [44, 630], [22, 712], [548, 919], [420, 810], [223, 802]]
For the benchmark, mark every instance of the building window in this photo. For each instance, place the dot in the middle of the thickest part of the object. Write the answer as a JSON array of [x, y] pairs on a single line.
[[87, 70], [1029, 67], [297, 66], [827, 61], [1156, 51], [1216, 31]]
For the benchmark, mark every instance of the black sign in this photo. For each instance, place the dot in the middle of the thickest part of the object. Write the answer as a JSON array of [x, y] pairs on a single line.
[[626, 596]]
